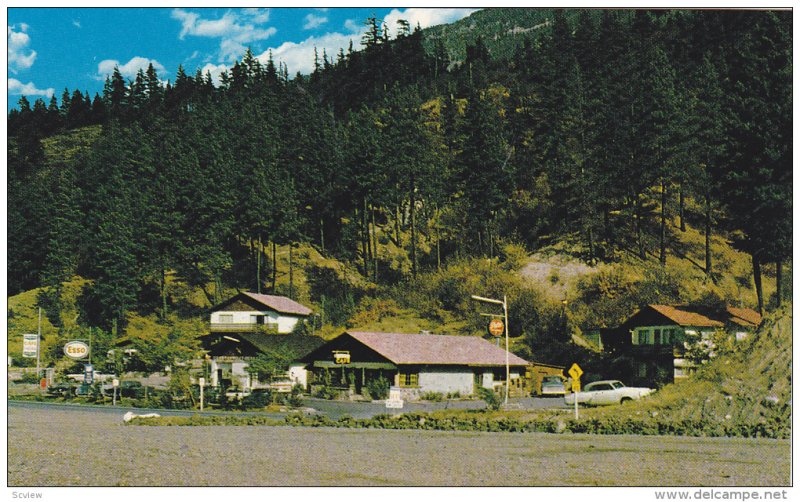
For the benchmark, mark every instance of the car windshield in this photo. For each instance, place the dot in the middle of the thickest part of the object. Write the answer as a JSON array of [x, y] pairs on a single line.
[[617, 384]]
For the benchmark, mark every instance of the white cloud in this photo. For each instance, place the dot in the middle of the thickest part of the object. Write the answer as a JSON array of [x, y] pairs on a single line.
[[76, 24], [234, 30], [313, 21], [20, 56], [129, 69], [300, 56], [215, 71], [424, 17], [257, 15], [353, 26], [17, 88]]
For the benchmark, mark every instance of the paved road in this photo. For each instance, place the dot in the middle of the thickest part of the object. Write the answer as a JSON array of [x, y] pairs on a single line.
[[80, 446]]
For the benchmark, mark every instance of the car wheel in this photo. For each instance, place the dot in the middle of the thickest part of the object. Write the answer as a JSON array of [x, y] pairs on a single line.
[[624, 400]]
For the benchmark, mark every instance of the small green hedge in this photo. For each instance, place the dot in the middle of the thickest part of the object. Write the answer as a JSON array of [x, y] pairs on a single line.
[[649, 426]]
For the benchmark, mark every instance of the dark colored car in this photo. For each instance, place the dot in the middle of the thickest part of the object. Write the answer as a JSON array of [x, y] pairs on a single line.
[[62, 389], [127, 388]]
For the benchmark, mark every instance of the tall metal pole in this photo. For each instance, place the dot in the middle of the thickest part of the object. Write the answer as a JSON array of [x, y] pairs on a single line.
[[38, 344], [508, 371]]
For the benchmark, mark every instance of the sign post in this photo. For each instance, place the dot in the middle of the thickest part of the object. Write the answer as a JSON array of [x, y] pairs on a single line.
[[575, 372], [504, 303], [202, 382], [114, 385]]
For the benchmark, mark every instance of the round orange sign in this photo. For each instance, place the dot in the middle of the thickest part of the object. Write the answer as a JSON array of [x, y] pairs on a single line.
[[496, 327]]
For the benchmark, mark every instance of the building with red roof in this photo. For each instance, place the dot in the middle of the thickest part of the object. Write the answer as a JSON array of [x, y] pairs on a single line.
[[415, 363], [653, 343]]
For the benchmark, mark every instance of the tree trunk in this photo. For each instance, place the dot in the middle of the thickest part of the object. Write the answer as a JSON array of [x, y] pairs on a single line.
[[591, 244], [291, 271], [662, 256], [708, 234], [364, 252], [274, 266], [779, 282], [374, 243], [258, 265], [757, 280], [638, 224], [681, 206], [438, 241], [322, 235], [413, 230], [163, 292]]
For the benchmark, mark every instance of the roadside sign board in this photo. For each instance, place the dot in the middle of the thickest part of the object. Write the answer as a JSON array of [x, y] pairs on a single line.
[[88, 374], [575, 371], [30, 345], [496, 327], [76, 349], [395, 398], [341, 357], [576, 386]]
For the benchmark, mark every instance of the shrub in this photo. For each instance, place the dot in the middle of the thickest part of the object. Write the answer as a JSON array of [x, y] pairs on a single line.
[[436, 397], [378, 388], [295, 398], [490, 397], [257, 399], [28, 377]]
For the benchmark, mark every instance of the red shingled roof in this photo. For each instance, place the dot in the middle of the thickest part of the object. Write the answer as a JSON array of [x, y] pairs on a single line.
[[685, 315], [401, 348], [280, 304], [744, 317]]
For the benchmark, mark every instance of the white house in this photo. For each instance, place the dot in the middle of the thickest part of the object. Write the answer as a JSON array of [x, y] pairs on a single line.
[[248, 312]]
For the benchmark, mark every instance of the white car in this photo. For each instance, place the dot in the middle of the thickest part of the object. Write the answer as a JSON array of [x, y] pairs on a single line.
[[606, 392]]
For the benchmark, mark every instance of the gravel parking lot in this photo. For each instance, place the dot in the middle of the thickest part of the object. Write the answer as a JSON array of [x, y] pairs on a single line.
[[67, 446]]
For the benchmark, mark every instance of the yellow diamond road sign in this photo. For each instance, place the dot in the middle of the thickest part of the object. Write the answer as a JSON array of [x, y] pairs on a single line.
[[575, 371]]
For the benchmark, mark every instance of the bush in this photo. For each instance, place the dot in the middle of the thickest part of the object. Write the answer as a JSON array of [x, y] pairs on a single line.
[[436, 397], [259, 398], [295, 398], [492, 400], [378, 388], [28, 377]]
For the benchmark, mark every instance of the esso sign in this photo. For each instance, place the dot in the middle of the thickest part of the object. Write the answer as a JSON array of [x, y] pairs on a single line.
[[496, 327], [76, 349]]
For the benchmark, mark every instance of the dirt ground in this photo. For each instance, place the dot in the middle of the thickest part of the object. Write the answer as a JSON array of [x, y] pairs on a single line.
[[50, 446]]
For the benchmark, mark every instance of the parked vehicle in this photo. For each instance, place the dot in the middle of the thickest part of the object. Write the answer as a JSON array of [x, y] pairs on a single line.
[[606, 392], [553, 385], [61, 389], [127, 388]]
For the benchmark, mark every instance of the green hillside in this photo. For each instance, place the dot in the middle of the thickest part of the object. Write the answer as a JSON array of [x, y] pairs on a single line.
[[503, 30]]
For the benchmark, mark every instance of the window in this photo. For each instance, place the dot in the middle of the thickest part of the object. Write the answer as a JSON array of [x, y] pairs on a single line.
[[409, 379], [657, 337], [226, 318], [645, 337]]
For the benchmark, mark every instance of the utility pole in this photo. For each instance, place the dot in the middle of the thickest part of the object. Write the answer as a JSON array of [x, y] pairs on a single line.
[[39, 347], [504, 303]]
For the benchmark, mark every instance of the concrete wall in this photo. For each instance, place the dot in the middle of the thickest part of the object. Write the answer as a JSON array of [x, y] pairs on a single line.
[[446, 380], [299, 374]]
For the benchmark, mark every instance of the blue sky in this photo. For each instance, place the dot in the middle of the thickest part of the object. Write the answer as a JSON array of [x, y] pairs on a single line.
[[53, 48]]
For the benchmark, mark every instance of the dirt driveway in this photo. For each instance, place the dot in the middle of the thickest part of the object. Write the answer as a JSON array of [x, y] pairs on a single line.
[[84, 447]]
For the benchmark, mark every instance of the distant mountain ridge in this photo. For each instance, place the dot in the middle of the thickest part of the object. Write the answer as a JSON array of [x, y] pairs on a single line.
[[502, 30]]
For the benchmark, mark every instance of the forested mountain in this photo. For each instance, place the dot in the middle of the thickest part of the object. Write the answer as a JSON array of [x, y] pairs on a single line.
[[600, 125]]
